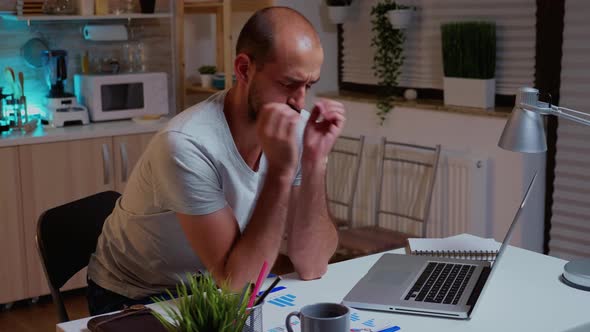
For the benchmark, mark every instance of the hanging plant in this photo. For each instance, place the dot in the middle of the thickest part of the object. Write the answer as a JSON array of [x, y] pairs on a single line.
[[388, 57]]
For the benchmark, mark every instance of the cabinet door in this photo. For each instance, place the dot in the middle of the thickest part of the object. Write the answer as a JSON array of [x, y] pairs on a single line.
[[12, 266], [54, 174], [127, 150]]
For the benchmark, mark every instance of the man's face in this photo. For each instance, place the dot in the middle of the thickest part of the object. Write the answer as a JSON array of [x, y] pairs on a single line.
[[287, 77]]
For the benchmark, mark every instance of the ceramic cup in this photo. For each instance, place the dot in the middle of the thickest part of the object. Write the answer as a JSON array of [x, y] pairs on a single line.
[[321, 317]]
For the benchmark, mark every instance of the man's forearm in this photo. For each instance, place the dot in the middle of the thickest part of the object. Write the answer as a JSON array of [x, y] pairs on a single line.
[[262, 237], [312, 237]]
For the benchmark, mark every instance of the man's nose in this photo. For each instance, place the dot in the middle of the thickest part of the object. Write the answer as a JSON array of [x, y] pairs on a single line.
[[297, 100]]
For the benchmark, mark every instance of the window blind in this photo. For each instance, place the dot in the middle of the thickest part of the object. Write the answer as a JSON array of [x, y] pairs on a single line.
[[570, 222], [423, 68]]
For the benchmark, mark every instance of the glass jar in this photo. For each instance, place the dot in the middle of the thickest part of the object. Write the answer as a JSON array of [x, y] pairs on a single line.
[[59, 7]]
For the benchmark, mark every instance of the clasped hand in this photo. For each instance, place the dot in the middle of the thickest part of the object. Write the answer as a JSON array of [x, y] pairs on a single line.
[[276, 128]]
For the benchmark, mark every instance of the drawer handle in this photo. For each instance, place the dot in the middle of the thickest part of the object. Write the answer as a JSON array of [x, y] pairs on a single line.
[[124, 162], [106, 164]]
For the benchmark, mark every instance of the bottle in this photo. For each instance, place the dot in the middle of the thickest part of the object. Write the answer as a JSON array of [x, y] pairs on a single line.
[[85, 63], [101, 7]]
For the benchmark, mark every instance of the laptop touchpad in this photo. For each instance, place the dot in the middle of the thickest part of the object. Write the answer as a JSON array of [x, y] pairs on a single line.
[[390, 278]]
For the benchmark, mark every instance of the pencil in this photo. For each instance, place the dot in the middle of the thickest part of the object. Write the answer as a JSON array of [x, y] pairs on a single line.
[[268, 290], [261, 276]]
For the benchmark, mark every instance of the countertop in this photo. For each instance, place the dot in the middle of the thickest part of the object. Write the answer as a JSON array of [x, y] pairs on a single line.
[[48, 134], [431, 105]]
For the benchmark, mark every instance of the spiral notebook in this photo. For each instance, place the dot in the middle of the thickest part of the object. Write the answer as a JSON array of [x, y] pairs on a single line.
[[464, 247]]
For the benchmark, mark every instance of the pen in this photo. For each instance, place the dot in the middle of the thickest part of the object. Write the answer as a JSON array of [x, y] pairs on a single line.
[[268, 290], [261, 275]]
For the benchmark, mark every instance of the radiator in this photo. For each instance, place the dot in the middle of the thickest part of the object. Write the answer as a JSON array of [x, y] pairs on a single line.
[[458, 203]]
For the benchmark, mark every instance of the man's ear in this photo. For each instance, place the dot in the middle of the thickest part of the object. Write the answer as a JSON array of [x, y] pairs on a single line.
[[242, 67]]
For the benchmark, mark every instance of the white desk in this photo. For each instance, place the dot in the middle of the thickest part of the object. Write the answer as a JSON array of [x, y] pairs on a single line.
[[525, 294]]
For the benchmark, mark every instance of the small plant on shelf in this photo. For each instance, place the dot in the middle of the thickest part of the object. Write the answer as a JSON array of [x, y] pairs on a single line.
[[207, 70], [469, 62], [207, 73], [201, 306], [388, 58]]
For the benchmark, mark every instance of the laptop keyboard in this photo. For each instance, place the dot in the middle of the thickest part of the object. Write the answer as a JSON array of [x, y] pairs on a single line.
[[441, 283]]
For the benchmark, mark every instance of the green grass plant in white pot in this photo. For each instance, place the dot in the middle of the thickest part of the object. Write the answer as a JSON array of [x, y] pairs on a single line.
[[203, 307], [469, 59]]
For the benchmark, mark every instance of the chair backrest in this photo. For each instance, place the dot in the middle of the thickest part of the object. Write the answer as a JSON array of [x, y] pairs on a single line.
[[405, 183], [67, 237], [342, 175]]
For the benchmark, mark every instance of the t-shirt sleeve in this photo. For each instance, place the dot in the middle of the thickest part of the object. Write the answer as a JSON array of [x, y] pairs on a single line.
[[184, 176]]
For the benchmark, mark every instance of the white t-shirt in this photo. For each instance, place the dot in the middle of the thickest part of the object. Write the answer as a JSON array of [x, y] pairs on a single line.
[[192, 166]]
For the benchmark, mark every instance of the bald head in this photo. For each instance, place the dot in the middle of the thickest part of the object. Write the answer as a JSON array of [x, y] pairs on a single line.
[[275, 28]]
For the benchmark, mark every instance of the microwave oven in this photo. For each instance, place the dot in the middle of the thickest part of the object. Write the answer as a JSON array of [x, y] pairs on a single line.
[[122, 96]]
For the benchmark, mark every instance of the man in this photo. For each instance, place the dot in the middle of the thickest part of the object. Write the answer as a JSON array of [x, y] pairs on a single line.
[[218, 188]]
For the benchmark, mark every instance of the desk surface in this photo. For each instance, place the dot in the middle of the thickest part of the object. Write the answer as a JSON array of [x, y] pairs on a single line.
[[524, 294]]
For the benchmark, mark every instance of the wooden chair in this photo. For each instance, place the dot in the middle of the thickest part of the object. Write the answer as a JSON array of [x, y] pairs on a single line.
[[404, 187], [342, 177]]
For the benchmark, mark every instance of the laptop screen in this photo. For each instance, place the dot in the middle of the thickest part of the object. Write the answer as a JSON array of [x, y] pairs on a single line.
[[514, 221]]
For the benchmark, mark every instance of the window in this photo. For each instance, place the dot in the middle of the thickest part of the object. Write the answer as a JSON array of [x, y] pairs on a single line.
[[423, 68]]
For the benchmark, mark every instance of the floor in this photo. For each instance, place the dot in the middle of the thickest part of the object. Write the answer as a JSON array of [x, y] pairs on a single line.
[[42, 316]]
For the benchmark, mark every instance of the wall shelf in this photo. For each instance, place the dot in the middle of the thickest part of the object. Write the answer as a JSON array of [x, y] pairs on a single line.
[[40, 18], [199, 89]]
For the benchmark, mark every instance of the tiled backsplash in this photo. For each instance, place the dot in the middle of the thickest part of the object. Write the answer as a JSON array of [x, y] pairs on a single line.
[[154, 34]]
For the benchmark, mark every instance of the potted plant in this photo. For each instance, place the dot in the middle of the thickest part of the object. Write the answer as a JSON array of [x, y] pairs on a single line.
[[388, 57], [469, 59], [338, 10], [207, 73], [401, 17], [201, 306]]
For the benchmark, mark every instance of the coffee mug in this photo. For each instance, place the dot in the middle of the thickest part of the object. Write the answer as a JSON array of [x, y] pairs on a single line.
[[322, 317]]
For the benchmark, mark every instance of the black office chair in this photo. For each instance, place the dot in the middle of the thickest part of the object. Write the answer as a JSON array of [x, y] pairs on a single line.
[[67, 236]]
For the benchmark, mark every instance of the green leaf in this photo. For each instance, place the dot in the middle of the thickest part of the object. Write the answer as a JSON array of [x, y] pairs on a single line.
[[209, 308], [469, 49], [388, 57]]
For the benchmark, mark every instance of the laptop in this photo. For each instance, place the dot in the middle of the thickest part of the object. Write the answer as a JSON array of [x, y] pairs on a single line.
[[422, 285]]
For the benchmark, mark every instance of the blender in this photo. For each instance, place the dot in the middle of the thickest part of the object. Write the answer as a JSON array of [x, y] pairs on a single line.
[[61, 106]]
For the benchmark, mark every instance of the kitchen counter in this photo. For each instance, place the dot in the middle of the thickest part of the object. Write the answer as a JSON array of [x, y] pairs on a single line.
[[47, 134]]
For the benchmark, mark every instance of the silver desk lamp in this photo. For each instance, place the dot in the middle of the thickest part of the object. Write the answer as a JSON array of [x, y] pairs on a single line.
[[525, 132]]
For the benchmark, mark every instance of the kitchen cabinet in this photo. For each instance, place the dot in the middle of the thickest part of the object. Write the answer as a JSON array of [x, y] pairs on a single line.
[[37, 177], [12, 264], [127, 151], [54, 174]]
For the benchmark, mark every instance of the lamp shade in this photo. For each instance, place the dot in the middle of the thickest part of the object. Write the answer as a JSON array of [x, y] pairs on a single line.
[[523, 132]]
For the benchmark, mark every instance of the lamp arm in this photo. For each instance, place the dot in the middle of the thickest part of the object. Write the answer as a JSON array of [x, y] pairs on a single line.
[[562, 112]]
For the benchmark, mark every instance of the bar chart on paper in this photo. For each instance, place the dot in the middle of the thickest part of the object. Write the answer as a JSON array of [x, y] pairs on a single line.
[[284, 299], [287, 300]]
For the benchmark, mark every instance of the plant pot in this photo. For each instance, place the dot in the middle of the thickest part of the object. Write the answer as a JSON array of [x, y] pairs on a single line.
[[469, 92], [206, 80], [400, 18], [338, 14], [147, 6]]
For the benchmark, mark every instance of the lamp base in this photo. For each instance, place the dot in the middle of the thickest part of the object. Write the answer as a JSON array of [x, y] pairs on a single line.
[[576, 274]]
